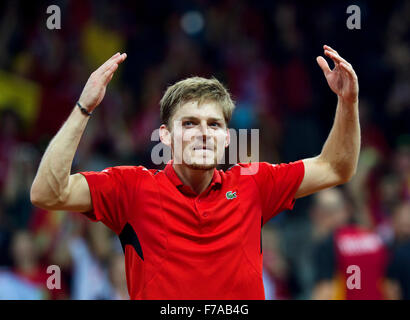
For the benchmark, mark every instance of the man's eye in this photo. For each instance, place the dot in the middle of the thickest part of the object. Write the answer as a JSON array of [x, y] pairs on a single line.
[[214, 124], [187, 123]]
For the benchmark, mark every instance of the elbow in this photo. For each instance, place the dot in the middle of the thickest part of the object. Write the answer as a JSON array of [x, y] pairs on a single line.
[[39, 199], [341, 171], [35, 196], [347, 175], [345, 179]]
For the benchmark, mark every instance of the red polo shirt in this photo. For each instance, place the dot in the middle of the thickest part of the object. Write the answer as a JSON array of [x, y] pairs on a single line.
[[180, 245]]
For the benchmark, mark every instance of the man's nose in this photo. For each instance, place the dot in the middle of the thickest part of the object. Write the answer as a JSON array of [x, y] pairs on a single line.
[[204, 128]]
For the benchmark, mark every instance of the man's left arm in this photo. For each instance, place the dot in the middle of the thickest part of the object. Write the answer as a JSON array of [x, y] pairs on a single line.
[[337, 162]]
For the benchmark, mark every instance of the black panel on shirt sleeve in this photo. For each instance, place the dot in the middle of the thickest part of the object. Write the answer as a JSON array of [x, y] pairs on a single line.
[[129, 236]]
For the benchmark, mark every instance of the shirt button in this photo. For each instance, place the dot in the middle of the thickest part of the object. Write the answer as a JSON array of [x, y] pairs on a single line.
[[205, 215]]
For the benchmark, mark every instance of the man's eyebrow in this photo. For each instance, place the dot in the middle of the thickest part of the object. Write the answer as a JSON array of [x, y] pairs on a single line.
[[216, 119], [195, 118]]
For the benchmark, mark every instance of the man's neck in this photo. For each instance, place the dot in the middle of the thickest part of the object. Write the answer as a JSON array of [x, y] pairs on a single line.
[[198, 180]]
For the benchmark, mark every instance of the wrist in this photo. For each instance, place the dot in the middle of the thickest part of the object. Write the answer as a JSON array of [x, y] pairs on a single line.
[[352, 101], [85, 103], [83, 109]]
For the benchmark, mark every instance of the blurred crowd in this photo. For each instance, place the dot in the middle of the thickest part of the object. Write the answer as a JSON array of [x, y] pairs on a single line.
[[264, 52]]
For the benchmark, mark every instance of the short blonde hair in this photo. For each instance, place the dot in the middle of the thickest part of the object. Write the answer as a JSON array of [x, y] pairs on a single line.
[[198, 89]]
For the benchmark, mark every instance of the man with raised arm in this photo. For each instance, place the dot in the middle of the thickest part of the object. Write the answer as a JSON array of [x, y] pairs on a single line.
[[191, 231]]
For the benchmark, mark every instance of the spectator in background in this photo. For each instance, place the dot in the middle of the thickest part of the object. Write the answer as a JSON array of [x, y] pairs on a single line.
[[327, 214], [117, 277], [10, 125], [30, 269], [16, 190], [275, 268], [348, 244], [26, 265], [13, 287], [398, 273], [89, 257], [5, 238]]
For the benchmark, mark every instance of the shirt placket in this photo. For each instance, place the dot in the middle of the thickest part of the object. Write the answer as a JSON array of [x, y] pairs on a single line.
[[203, 210]]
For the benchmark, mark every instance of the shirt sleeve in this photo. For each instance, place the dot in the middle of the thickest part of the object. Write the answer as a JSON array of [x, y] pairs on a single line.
[[277, 186], [110, 196]]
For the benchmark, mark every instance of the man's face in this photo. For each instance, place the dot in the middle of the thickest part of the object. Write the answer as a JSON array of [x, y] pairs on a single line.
[[198, 135]]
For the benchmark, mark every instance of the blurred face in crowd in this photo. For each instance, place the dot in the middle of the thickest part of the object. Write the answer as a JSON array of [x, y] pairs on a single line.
[[198, 135], [389, 189], [402, 160], [330, 210], [23, 250], [401, 221]]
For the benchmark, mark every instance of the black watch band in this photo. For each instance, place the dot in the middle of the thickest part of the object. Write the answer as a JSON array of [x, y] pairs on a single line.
[[83, 110]]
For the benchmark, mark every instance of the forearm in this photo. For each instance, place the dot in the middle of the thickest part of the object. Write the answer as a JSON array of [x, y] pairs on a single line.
[[53, 174], [342, 147]]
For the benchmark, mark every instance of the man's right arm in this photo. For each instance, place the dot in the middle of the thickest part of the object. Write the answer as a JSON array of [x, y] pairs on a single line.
[[53, 187]]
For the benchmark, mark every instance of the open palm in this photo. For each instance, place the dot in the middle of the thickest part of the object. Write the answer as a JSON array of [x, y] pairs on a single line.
[[94, 89], [342, 79]]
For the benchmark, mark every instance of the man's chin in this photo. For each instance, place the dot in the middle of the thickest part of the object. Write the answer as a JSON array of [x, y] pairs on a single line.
[[196, 166], [204, 165]]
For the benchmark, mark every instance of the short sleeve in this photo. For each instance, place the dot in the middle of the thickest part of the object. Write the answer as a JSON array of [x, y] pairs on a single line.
[[277, 186], [110, 192]]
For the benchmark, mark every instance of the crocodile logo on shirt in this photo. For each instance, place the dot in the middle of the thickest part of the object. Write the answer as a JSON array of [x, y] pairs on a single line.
[[230, 195]]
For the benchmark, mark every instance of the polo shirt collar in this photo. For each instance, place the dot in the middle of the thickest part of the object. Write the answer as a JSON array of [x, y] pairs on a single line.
[[171, 174]]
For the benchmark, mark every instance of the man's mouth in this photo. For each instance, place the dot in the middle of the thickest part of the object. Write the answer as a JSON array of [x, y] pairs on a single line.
[[204, 148]]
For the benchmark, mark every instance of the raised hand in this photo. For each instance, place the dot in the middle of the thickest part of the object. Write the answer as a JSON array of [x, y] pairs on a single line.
[[342, 79], [94, 89]]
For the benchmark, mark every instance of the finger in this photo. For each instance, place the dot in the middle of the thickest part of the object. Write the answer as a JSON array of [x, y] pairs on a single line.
[[113, 67], [107, 75], [110, 77], [326, 47], [323, 65], [122, 58], [335, 57], [107, 63], [349, 70], [117, 58]]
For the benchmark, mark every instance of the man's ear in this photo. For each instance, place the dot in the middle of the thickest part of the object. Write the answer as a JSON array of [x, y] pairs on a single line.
[[228, 138], [165, 135]]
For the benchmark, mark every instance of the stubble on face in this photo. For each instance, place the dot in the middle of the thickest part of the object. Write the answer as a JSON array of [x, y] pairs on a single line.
[[205, 163]]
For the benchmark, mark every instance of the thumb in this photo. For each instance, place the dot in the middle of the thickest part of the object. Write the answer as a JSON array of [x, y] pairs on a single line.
[[323, 65]]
